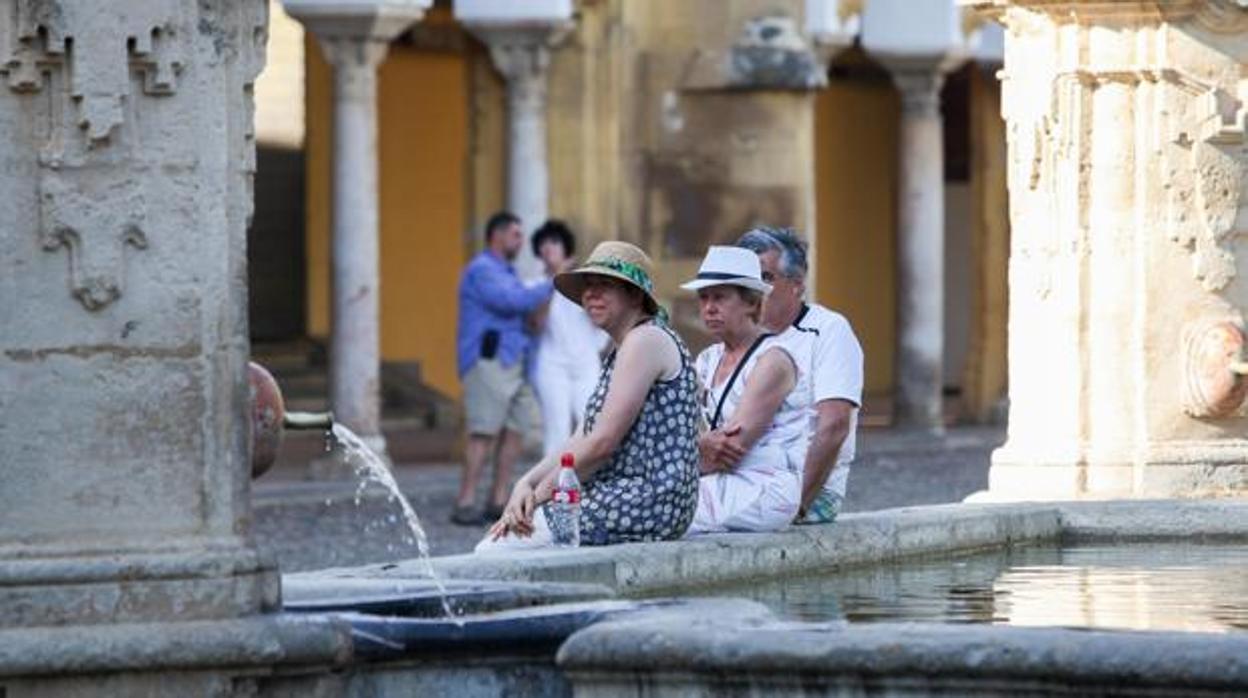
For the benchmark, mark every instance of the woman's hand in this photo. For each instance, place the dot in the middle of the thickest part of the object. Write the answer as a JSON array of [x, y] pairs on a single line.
[[517, 516], [720, 449], [545, 489]]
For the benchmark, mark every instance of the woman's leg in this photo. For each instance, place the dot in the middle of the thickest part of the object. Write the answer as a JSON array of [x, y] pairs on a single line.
[[752, 497], [714, 503]]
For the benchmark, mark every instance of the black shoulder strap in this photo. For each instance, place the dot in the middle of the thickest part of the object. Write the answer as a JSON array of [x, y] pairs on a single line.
[[797, 324], [719, 409]]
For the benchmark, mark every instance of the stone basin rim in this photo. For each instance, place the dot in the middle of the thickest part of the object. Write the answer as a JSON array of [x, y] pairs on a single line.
[[856, 540]]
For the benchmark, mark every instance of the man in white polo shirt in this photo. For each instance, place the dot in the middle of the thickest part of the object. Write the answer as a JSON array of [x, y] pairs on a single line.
[[832, 366]]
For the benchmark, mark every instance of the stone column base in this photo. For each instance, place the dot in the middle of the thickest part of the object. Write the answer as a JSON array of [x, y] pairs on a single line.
[[1188, 469], [262, 656], [83, 588]]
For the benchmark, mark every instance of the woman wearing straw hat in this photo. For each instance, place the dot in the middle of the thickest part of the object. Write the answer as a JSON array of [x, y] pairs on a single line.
[[747, 380], [637, 452]]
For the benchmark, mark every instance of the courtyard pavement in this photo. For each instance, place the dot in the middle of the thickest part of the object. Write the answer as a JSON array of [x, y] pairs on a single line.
[[313, 525]]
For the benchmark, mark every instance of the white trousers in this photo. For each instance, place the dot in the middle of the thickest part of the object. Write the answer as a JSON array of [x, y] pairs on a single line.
[[541, 538], [761, 494], [562, 391]]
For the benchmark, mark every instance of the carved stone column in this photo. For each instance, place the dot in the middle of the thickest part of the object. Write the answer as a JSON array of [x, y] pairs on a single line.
[[127, 171], [919, 41], [354, 37], [126, 560], [521, 54], [1128, 182], [920, 250]]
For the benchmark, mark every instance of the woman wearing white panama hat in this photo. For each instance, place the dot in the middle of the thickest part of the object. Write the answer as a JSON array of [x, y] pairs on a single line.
[[637, 453], [747, 380]]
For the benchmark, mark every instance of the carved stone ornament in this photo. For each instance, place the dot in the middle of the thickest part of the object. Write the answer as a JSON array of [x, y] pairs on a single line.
[[1211, 389], [1219, 16], [96, 44], [94, 219], [88, 53], [1216, 191]]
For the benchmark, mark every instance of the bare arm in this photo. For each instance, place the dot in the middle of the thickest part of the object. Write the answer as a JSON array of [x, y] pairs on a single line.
[[831, 429], [769, 383], [646, 355]]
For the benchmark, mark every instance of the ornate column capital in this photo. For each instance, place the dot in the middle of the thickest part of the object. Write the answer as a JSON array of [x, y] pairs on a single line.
[[1219, 16], [350, 52], [918, 42], [919, 88], [356, 33], [521, 52]]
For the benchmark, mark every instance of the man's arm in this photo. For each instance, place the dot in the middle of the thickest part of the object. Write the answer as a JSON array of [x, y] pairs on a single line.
[[503, 293], [831, 429]]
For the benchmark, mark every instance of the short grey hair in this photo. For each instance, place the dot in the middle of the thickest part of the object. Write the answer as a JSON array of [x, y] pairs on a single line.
[[786, 241]]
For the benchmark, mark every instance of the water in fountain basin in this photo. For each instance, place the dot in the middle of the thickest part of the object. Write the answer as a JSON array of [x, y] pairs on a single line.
[[369, 467]]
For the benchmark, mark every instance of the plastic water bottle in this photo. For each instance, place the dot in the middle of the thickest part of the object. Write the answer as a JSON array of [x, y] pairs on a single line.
[[565, 506]]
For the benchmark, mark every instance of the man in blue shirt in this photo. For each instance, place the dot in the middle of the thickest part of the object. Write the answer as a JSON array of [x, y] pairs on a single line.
[[493, 344]]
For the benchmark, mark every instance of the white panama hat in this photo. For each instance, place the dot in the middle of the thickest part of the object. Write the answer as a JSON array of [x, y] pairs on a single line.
[[729, 266]]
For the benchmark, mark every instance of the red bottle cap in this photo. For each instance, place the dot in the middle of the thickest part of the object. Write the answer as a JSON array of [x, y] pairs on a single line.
[[566, 460]]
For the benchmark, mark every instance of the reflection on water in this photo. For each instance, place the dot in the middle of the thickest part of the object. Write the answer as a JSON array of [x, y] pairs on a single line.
[[1141, 586]]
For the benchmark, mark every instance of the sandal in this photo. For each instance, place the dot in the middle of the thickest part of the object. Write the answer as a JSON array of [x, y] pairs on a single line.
[[465, 516]]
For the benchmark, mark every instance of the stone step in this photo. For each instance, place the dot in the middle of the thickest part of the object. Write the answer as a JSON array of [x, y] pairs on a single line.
[[303, 383], [301, 371], [289, 357]]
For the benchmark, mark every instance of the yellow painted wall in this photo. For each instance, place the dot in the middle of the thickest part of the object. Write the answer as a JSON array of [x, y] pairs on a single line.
[[856, 182], [318, 150], [423, 137]]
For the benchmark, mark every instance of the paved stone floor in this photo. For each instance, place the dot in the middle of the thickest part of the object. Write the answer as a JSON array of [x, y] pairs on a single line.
[[311, 525]]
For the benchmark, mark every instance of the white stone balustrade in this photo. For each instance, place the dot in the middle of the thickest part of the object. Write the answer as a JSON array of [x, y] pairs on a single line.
[[354, 36], [919, 41], [520, 36]]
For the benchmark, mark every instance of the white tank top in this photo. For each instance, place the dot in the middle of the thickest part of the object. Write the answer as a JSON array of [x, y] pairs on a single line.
[[789, 428]]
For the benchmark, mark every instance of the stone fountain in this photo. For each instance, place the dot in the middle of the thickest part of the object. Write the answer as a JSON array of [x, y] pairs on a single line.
[[126, 561], [127, 565]]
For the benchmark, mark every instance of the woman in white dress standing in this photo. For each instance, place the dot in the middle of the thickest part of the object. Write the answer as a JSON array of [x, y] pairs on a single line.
[[748, 382], [568, 357]]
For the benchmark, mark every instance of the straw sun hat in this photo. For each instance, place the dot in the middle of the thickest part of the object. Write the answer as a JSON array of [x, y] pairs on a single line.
[[729, 266], [618, 260]]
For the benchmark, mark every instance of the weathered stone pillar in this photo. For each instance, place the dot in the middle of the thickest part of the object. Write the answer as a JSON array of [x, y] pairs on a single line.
[[520, 39], [354, 37], [920, 250], [126, 196], [126, 560], [1127, 184], [919, 41]]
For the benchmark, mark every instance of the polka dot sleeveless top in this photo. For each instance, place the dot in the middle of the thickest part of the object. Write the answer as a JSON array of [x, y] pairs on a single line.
[[648, 490]]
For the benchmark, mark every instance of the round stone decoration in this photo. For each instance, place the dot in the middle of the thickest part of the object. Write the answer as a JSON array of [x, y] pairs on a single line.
[[1213, 389]]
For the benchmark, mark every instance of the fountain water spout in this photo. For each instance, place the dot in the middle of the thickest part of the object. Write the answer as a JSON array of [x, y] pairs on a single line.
[[270, 420]]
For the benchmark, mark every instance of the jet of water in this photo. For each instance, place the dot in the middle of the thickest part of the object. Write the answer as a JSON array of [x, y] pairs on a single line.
[[369, 467]]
